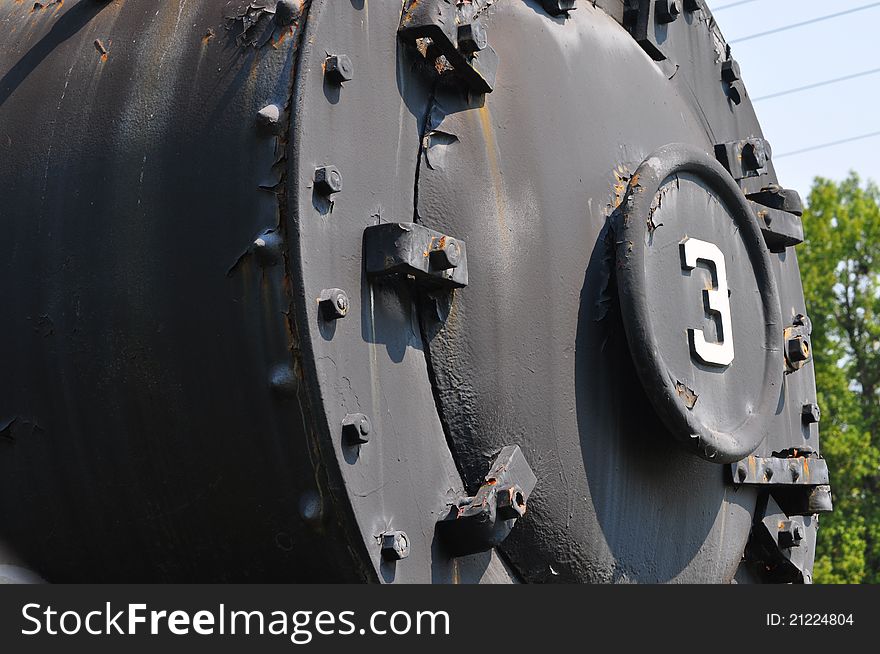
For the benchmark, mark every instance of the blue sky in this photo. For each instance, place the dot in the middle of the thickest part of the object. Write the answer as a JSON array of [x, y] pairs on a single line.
[[805, 55]]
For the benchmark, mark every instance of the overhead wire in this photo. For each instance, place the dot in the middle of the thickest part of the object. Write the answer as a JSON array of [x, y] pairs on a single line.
[[792, 26], [817, 85], [731, 5], [822, 146]]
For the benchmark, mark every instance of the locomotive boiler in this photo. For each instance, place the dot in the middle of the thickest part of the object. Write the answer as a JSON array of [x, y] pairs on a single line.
[[395, 291]]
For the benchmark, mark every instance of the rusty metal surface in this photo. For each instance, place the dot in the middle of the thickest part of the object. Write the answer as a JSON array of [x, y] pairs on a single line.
[[531, 194], [203, 378], [147, 355]]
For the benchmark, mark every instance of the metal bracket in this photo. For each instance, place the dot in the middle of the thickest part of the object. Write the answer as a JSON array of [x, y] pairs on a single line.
[[798, 479], [776, 197], [745, 158], [410, 250], [798, 349], [650, 21], [780, 228], [801, 469], [481, 522], [436, 24], [782, 544]]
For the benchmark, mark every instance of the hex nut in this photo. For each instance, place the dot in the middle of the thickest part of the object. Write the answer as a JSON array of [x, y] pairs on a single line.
[[395, 546], [356, 429], [790, 534], [472, 37], [810, 413], [338, 69], [333, 304], [328, 180], [557, 7], [445, 253], [510, 503], [755, 154], [286, 11], [736, 92], [667, 10], [797, 350], [730, 71]]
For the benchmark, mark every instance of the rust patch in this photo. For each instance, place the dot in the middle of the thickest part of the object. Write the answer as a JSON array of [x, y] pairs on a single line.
[[687, 395], [208, 36], [99, 46], [285, 33], [39, 6]]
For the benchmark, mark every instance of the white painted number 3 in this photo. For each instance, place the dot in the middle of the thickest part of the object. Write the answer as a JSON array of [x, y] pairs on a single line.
[[717, 302]]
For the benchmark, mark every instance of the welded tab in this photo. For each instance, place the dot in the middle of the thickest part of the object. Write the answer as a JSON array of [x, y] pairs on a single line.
[[746, 158], [783, 544], [806, 470], [435, 23], [510, 466], [410, 250], [780, 228], [479, 523]]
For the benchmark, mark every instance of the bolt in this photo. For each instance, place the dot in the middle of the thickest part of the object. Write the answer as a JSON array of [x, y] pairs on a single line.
[[755, 154], [510, 503], [267, 248], [820, 500], [731, 75], [338, 69], [472, 37], [667, 10], [328, 180], [557, 7], [797, 350], [790, 534], [269, 118], [333, 304], [286, 11], [741, 472], [736, 92], [730, 71], [395, 546], [810, 413], [445, 253], [282, 380], [795, 473], [310, 506], [801, 320], [356, 428]]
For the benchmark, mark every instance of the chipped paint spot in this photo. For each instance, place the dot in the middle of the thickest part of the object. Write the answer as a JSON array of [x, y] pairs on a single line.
[[687, 395]]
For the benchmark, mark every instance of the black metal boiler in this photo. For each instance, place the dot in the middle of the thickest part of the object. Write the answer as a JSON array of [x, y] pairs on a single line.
[[370, 290]]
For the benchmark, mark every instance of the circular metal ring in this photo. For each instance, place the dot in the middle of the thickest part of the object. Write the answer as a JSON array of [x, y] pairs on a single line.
[[644, 297]]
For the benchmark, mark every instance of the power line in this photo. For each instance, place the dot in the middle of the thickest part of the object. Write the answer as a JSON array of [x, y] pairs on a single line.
[[806, 22], [731, 5], [826, 145], [864, 73]]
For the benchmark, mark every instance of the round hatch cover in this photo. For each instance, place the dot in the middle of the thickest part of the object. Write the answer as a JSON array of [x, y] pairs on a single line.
[[699, 302]]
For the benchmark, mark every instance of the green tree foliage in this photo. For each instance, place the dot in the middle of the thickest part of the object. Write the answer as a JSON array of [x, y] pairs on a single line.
[[840, 265]]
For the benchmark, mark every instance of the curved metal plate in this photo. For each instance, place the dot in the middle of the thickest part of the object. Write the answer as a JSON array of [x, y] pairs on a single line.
[[143, 334], [372, 361], [533, 352]]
